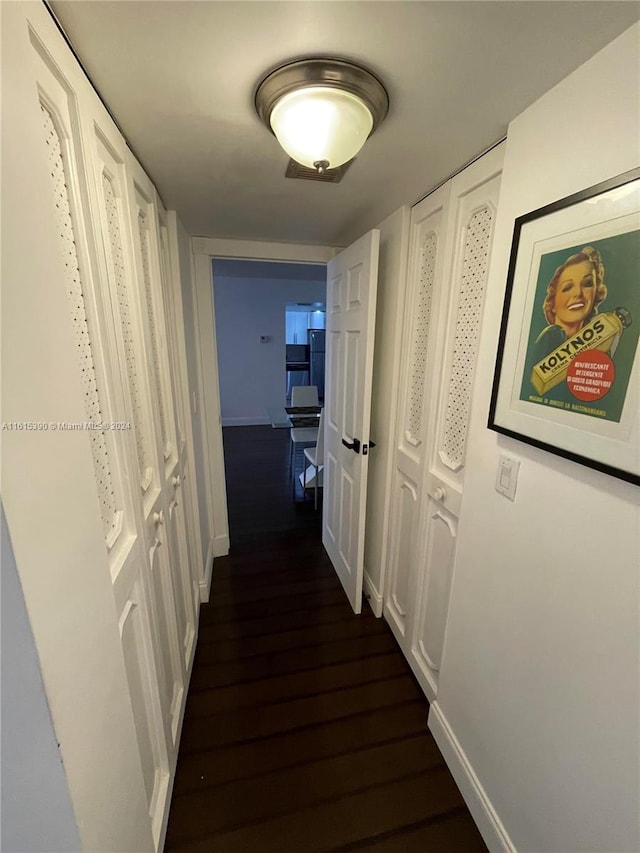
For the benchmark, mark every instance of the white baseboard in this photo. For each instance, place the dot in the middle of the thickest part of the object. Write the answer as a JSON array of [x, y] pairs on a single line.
[[254, 420], [372, 595], [205, 582], [221, 545], [218, 547], [174, 755], [495, 835]]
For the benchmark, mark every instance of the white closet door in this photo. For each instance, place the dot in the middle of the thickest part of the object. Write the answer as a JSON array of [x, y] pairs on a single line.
[[174, 617], [425, 271], [112, 265], [86, 181], [448, 266], [181, 522], [188, 485]]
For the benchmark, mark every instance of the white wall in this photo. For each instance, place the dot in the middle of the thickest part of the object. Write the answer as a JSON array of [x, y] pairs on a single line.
[[36, 807], [394, 236], [539, 683], [252, 374]]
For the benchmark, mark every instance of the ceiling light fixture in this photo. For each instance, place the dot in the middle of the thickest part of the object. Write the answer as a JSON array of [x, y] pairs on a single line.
[[321, 110]]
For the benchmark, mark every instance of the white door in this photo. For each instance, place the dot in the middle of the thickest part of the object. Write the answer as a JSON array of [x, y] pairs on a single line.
[[426, 258], [352, 279], [85, 159], [451, 235], [172, 598], [177, 508]]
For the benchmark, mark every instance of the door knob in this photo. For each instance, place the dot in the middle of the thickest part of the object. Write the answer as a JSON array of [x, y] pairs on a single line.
[[176, 480], [158, 517], [439, 493]]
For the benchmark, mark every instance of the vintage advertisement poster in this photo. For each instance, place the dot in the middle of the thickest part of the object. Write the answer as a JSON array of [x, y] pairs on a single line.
[[584, 327]]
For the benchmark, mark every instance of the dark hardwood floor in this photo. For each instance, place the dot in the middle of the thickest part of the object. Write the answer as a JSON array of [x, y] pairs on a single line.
[[259, 490], [304, 728]]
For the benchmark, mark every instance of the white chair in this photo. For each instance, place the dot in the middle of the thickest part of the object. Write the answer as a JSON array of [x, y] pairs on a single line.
[[315, 455], [302, 395]]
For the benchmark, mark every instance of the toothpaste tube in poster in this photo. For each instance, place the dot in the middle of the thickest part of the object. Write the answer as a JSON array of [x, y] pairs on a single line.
[[601, 332]]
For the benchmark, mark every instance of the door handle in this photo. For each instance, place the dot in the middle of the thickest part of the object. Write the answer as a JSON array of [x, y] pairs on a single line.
[[440, 494], [352, 445]]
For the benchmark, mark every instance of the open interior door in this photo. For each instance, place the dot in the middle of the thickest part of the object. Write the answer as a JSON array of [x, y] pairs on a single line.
[[352, 279]]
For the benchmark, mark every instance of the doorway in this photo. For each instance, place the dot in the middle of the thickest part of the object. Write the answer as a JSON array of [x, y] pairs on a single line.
[[305, 325], [252, 301], [261, 307]]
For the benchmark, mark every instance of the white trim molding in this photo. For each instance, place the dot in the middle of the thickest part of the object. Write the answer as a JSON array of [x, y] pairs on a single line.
[[257, 250], [218, 547], [210, 411], [372, 595], [475, 796], [205, 582], [204, 249], [221, 545]]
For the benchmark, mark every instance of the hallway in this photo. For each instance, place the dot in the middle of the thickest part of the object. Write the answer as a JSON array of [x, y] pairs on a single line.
[[304, 728]]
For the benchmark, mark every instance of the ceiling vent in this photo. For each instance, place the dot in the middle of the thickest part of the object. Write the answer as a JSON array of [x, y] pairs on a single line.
[[328, 176]]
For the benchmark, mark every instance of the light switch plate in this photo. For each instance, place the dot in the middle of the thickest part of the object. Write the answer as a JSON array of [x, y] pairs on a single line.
[[507, 476]]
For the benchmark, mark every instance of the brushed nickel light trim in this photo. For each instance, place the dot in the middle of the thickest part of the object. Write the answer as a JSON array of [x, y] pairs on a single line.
[[334, 73], [283, 88]]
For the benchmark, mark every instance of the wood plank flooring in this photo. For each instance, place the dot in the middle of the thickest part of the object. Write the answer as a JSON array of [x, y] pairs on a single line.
[[304, 728]]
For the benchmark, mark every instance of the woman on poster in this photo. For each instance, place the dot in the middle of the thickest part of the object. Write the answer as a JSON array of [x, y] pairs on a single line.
[[574, 293]]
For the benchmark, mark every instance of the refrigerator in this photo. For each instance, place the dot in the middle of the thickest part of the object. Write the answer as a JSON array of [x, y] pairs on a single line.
[[316, 360]]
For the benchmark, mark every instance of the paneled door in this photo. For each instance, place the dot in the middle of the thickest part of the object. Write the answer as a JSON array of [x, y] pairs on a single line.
[[85, 156], [110, 266], [428, 221], [180, 521], [141, 598], [450, 245], [163, 520], [352, 279]]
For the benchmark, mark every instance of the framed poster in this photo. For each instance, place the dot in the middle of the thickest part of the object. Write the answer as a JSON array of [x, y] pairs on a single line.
[[567, 375]]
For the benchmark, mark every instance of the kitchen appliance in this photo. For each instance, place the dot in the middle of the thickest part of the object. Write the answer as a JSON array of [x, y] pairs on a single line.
[[316, 360], [297, 366]]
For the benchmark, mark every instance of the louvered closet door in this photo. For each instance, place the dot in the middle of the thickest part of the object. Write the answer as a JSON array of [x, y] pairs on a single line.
[[449, 255], [187, 494], [163, 515], [181, 521], [420, 326], [91, 214]]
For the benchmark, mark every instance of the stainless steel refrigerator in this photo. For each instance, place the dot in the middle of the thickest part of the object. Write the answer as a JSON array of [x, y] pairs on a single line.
[[316, 360]]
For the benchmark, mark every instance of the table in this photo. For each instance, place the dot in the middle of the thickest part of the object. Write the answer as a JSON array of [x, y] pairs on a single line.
[[285, 417], [303, 416]]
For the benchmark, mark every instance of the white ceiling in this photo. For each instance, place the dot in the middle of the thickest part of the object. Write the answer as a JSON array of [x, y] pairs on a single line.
[[179, 77]]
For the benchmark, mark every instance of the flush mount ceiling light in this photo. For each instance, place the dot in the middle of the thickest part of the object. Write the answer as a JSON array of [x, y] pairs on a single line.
[[321, 110]]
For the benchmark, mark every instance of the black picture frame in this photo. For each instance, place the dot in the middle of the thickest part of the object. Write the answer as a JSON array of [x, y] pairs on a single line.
[[567, 374]]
